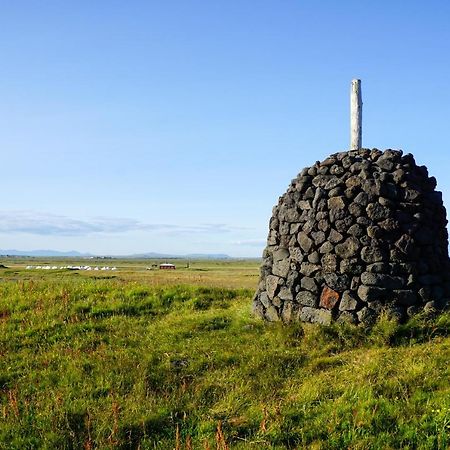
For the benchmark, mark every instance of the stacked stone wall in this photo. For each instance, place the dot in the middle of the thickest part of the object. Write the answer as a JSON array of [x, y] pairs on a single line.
[[359, 233]]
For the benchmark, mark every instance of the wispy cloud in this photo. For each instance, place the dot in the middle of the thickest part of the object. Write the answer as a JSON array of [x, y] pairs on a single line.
[[251, 243], [47, 224]]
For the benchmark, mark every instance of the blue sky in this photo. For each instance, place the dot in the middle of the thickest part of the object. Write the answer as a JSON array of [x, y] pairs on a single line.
[[128, 127]]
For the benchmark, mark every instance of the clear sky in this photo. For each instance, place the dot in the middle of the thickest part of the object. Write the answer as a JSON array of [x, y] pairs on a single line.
[[173, 126]]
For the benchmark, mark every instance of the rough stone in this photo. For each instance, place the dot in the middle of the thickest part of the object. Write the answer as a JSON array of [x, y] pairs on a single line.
[[362, 199], [356, 210], [326, 247], [337, 170], [313, 315], [285, 228], [348, 303], [356, 230], [332, 183], [323, 225], [355, 282], [304, 204], [307, 298], [355, 235], [376, 305], [379, 267], [405, 244], [342, 225], [308, 269], [336, 192], [309, 284], [348, 248], [370, 293], [304, 241], [294, 228], [374, 231], [319, 237], [382, 280], [272, 283], [288, 312], [329, 263], [366, 316], [334, 237], [314, 258], [337, 282], [281, 268], [285, 294], [290, 215], [328, 298], [372, 254], [364, 221], [371, 188], [337, 214], [292, 278], [351, 266], [353, 181], [280, 254], [320, 181], [405, 297], [389, 224], [277, 301], [377, 212], [296, 254], [386, 202], [264, 299], [336, 203], [396, 313], [257, 308], [385, 164], [347, 317], [272, 314]]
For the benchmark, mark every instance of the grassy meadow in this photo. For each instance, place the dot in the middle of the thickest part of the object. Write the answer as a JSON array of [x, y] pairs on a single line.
[[150, 359]]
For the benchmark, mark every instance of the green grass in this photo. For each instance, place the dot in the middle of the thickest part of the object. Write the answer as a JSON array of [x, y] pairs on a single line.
[[116, 363]]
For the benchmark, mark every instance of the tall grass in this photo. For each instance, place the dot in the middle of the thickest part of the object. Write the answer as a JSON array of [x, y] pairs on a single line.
[[88, 363]]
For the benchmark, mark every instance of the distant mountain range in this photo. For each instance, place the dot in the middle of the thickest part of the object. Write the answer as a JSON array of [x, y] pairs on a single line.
[[153, 255], [75, 254], [42, 253]]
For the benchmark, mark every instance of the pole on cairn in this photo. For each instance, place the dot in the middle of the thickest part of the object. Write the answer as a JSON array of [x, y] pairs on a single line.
[[355, 115]]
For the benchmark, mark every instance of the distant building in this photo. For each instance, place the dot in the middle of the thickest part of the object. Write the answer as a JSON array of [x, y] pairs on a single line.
[[167, 266]]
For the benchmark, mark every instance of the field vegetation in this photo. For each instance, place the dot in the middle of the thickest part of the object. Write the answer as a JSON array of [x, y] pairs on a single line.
[[146, 359]]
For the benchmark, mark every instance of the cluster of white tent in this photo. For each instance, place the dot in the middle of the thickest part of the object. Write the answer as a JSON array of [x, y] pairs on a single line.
[[71, 268]]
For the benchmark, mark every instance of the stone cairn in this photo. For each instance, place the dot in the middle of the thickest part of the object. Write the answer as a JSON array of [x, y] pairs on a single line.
[[359, 233]]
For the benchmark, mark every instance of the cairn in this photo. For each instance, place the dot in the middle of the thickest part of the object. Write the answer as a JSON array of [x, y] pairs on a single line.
[[361, 232]]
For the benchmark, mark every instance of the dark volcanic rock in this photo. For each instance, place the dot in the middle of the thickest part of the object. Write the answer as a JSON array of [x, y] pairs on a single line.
[[348, 248], [360, 233], [307, 298], [314, 315], [348, 302]]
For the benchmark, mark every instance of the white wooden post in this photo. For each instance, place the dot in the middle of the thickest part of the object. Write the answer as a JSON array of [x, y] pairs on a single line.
[[355, 115]]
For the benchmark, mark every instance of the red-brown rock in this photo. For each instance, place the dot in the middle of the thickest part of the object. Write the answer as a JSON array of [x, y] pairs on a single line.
[[328, 298]]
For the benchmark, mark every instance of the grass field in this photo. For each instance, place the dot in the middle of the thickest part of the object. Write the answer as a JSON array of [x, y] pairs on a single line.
[[155, 359]]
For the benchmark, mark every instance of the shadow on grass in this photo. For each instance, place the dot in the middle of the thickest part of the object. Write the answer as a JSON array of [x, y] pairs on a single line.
[[158, 427], [420, 329]]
